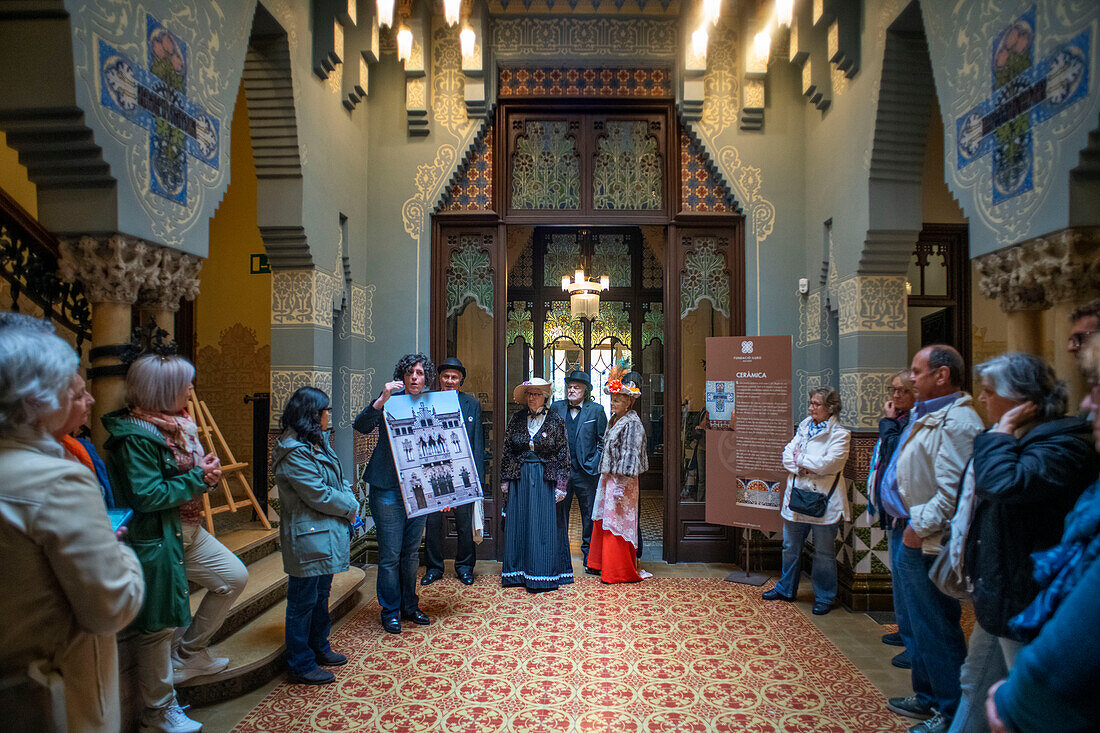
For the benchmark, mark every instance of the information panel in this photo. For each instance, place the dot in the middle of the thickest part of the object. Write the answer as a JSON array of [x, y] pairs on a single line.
[[749, 413]]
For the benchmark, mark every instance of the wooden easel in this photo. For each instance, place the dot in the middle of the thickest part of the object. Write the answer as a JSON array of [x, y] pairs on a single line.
[[208, 431]]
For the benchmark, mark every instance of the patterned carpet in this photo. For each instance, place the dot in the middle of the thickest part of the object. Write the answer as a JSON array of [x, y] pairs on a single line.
[[668, 654]]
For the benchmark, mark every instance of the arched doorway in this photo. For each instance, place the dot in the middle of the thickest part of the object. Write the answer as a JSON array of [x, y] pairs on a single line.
[[622, 189]]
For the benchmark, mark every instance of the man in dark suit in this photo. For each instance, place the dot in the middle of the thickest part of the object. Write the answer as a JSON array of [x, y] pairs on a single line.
[[585, 422], [451, 376]]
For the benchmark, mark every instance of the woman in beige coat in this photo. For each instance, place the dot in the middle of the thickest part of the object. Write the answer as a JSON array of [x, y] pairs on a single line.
[[815, 458], [69, 584]]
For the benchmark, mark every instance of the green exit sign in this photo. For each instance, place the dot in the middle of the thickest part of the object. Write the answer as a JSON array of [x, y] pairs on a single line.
[[258, 264]]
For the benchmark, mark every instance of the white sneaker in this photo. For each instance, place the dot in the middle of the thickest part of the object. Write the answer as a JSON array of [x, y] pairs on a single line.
[[171, 719], [197, 665]]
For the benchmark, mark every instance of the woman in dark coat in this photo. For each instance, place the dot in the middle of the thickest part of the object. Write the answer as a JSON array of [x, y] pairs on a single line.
[[399, 536], [317, 510], [1028, 471], [535, 470]]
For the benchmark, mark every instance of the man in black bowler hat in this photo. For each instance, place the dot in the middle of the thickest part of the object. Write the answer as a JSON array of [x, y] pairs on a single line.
[[451, 376], [585, 422]]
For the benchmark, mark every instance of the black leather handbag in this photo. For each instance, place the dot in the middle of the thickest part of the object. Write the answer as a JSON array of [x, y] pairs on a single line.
[[811, 503]]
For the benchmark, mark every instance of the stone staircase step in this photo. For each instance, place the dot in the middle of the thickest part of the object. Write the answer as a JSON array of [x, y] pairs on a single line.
[[256, 650], [266, 586]]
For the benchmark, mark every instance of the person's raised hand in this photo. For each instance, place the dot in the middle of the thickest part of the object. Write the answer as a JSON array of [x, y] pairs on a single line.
[[1021, 414], [889, 410]]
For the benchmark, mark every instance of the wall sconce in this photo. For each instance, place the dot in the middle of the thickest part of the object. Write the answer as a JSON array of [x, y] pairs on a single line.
[[584, 295], [451, 9], [385, 13], [467, 39], [711, 11], [699, 43], [784, 12], [404, 44], [761, 46]]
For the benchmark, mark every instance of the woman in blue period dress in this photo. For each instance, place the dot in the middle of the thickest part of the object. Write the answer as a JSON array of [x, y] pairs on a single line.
[[815, 458], [535, 470]]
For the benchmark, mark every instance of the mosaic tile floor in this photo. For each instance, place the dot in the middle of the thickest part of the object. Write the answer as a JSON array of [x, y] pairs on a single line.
[[668, 654]]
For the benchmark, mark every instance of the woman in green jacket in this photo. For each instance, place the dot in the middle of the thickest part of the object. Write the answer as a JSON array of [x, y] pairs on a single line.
[[317, 509], [159, 470]]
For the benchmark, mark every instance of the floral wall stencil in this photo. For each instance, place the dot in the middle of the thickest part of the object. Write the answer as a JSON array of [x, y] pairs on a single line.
[[546, 171], [627, 175]]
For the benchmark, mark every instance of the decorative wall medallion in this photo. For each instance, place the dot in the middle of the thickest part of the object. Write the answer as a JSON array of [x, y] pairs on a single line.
[[155, 98], [1024, 95], [705, 276]]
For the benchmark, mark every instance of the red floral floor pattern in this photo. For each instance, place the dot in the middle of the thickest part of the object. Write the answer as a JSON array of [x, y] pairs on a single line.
[[667, 654]]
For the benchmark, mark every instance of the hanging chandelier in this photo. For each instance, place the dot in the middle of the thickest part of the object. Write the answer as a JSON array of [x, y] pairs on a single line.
[[584, 294]]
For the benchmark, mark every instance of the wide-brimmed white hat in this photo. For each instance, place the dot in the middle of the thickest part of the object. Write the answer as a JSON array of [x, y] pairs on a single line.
[[519, 394]]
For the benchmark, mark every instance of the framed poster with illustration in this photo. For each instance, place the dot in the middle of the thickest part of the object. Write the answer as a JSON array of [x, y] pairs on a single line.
[[431, 452]]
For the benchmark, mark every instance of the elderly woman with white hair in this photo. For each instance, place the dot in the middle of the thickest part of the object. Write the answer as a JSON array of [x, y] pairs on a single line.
[[159, 469], [1027, 472], [534, 470], [70, 585]]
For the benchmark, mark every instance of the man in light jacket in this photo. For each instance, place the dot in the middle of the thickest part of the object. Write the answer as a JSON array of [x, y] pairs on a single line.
[[918, 491]]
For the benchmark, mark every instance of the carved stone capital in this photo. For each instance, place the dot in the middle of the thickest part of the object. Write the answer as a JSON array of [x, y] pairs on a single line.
[[1058, 267], [112, 268], [176, 279]]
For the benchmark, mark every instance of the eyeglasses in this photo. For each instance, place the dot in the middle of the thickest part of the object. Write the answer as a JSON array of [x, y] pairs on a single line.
[[811, 403], [1078, 339], [326, 409], [898, 390]]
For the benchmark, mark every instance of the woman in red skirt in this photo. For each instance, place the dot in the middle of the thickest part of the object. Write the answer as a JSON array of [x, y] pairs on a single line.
[[615, 511]]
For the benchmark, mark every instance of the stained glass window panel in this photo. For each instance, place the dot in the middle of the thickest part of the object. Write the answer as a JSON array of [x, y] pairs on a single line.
[[469, 275], [627, 172], [613, 321], [562, 257], [704, 277], [611, 257], [546, 172]]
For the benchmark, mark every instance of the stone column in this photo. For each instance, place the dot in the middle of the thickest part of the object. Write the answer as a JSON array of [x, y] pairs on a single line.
[[1025, 331], [113, 270], [176, 279]]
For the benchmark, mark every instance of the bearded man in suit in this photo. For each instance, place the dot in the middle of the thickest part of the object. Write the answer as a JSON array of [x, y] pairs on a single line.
[[585, 422]]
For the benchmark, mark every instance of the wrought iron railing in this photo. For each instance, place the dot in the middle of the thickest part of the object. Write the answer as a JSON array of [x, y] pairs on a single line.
[[28, 261]]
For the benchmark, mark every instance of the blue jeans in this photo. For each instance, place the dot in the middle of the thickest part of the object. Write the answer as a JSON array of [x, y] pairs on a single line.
[[893, 541], [307, 621], [935, 640], [824, 567], [398, 549]]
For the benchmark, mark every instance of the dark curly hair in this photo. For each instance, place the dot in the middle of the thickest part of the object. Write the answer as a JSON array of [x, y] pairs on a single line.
[[408, 361], [302, 414]]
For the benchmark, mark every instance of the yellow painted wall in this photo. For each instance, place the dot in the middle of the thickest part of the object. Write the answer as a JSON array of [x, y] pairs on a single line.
[[233, 309], [13, 178]]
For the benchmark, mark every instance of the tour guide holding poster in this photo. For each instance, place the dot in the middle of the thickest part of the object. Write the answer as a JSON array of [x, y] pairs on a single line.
[[585, 422], [451, 376]]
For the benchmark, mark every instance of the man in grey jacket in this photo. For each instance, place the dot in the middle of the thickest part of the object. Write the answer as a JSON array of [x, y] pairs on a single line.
[[919, 490]]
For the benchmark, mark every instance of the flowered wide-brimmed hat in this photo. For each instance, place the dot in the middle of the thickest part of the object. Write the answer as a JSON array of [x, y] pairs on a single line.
[[519, 394], [615, 384]]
